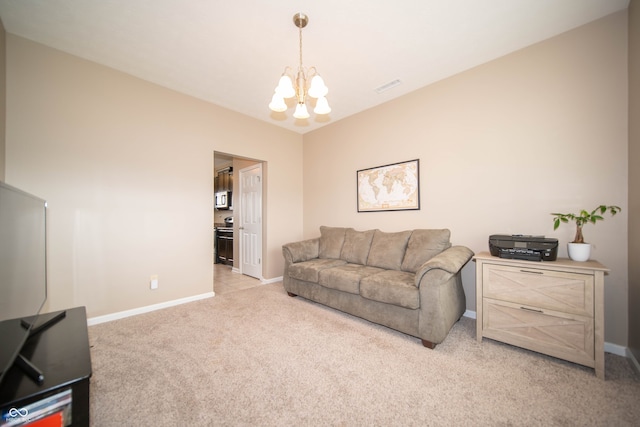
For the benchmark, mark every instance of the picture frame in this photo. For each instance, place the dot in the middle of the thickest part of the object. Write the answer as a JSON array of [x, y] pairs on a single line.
[[392, 187]]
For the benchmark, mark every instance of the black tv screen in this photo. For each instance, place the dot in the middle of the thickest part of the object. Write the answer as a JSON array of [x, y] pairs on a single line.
[[23, 265]]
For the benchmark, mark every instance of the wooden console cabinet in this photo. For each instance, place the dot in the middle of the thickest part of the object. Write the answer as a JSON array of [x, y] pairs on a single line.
[[552, 307]]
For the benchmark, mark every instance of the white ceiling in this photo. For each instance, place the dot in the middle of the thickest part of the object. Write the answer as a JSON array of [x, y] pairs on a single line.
[[232, 52]]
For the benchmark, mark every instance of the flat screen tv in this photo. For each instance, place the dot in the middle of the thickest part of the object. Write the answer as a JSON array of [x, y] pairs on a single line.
[[23, 270]]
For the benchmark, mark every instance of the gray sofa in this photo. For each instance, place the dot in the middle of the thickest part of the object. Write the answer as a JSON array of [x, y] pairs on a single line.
[[409, 280]]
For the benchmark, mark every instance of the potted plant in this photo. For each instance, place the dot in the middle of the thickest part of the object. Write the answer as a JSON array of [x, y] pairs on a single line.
[[579, 250]]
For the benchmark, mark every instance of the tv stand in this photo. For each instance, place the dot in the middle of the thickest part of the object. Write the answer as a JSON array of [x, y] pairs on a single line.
[[45, 321], [29, 369], [61, 350]]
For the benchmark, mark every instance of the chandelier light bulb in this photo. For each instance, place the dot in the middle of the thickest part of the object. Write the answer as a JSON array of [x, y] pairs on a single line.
[[285, 87], [301, 111], [277, 103], [322, 106], [318, 88]]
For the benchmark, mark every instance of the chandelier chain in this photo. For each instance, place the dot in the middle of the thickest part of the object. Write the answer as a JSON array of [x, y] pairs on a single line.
[[300, 35]]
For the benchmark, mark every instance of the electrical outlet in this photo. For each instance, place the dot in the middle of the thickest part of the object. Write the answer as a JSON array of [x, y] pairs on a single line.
[[154, 281]]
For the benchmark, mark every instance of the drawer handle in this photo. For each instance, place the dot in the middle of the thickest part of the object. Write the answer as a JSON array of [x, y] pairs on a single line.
[[531, 272], [531, 309]]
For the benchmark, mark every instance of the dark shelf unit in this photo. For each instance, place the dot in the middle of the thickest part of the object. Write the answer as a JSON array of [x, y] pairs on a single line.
[[62, 353]]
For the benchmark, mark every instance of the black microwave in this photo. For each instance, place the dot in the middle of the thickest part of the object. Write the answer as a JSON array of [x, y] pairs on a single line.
[[223, 199]]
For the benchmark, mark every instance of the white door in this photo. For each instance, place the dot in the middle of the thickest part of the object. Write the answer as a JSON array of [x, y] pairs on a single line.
[[250, 226]]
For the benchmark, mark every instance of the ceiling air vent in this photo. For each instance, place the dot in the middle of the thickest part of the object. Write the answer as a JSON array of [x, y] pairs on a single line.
[[388, 86]]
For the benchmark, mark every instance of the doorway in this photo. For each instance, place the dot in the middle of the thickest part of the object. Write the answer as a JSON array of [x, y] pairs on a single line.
[[246, 211], [226, 281]]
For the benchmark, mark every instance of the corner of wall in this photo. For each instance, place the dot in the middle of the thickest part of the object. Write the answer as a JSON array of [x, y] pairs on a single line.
[[634, 179], [3, 98]]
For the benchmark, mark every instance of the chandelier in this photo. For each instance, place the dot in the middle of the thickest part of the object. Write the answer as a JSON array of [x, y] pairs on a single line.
[[308, 82]]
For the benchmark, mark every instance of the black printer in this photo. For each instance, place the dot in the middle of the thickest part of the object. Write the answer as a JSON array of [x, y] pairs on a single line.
[[519, 246]]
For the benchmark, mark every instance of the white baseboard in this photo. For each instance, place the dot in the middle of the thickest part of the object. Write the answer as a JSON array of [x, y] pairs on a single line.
[[615, 349], [274, 280], [263, 281], [135, 311], [608, 347], [633, 360]]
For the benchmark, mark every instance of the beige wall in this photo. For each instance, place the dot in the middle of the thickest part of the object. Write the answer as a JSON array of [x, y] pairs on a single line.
[[634, 177], [501, 146], [127, 165], [127, 168], [3, 98]]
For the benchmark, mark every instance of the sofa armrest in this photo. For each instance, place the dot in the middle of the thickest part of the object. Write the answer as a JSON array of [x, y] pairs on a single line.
[[450, 260], [301, 251], [442, 299]]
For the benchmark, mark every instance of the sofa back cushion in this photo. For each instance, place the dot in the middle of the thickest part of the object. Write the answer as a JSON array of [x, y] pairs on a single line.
[[387, 249], [356, 246], [331, 241], [424, 245]]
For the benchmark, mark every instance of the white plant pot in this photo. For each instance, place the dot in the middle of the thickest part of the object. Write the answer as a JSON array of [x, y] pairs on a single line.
[[579, 251]]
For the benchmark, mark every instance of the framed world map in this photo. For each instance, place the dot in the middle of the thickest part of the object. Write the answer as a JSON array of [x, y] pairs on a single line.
[[391, 187]]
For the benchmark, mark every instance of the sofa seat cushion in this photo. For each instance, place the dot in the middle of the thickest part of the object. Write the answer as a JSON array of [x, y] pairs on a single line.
[[391, 287], [309, 270], [346, 277]]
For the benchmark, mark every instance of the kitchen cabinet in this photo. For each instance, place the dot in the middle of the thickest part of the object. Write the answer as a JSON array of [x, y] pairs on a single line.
[[223, 180], [224, 246]]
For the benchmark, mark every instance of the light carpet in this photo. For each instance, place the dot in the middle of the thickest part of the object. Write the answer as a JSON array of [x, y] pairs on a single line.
[[258, 357]]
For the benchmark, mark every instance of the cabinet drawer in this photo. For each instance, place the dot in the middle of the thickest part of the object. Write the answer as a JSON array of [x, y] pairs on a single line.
[[557, 334], [545, 289]]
